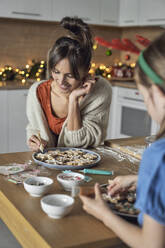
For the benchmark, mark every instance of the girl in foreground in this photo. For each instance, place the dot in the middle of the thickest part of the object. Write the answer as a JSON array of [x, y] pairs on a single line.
[[150, 78]]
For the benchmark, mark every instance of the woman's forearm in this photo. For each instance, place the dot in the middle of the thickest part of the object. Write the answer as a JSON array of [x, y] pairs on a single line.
[[74, 117]]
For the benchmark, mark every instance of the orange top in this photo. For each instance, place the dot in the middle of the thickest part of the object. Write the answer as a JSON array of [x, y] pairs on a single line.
[[44, 96]]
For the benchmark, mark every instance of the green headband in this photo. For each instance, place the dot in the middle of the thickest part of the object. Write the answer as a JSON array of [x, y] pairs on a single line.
[[148, 71]]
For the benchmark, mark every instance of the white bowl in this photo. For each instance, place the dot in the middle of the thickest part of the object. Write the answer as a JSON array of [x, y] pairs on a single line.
[[37, 186], [70, 180], [57, 206]]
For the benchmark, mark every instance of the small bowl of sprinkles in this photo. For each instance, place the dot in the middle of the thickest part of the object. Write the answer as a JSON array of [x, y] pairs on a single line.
[[70, 179]]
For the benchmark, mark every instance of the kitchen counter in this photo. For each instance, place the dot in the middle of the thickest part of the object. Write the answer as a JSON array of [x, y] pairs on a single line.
[[130, 85], [123, 82], [14, 85]]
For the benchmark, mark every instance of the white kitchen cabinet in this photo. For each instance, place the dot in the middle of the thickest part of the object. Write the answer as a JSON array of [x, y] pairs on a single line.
[[119, 12], [102, 12], [88, 10], [23, 9], [129, 12], [109, 12], [151, 12], [17, 120], [3, 122]]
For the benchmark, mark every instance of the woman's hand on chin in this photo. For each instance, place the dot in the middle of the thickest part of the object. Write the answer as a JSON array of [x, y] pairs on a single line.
[[83, 90]]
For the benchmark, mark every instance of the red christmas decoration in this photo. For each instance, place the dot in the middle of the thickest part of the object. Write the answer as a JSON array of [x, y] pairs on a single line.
[[127, 57], [124, 44], [132, 48], [142, 40]]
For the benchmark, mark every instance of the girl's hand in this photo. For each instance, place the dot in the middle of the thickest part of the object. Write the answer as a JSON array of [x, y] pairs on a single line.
[[34, 143], [121, 183], [84, 89], [96, 207]]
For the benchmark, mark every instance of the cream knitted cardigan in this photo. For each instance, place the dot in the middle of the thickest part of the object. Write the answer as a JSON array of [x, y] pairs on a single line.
[[94, 110]]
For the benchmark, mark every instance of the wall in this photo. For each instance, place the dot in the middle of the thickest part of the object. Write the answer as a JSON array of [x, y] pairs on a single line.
[[149, 32], [21, 41]]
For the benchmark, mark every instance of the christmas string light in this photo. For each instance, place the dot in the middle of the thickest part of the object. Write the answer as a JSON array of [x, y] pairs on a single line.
[[35, 71]]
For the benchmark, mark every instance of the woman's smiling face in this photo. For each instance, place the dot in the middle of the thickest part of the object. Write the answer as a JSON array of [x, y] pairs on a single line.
[[63, 78]]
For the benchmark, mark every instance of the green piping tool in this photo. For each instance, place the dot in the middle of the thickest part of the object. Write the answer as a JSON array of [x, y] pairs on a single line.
[[98, 172]]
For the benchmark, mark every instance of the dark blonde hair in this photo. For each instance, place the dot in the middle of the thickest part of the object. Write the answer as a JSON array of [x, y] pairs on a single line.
[[76, 46], [154, 56]]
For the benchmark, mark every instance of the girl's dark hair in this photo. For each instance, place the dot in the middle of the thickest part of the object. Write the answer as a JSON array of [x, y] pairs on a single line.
[[154, 55], [76, 46]]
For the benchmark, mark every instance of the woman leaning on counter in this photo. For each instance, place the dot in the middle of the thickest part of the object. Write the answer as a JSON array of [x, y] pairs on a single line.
[[71, 108]]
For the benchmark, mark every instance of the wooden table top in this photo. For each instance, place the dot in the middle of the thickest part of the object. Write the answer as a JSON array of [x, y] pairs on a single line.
[[33, 228]]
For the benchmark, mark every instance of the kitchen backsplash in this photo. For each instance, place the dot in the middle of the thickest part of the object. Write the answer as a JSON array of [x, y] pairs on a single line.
[[148, 32], [22, 41]]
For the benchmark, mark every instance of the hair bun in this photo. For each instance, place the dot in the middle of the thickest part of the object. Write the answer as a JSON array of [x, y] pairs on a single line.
[[78, 30], [74, 25]]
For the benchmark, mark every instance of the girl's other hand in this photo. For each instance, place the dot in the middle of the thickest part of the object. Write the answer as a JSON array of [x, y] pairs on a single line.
[[121, 183], [97, 206], [34, 143]]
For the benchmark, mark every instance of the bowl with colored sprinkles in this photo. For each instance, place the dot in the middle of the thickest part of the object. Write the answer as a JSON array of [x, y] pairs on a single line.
[[70, 179]]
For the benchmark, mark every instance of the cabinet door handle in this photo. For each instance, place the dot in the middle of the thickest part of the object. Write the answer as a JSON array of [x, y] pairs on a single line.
[[25, 94], [129, 21], [156, 20], [25, 13], [109, 21]]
